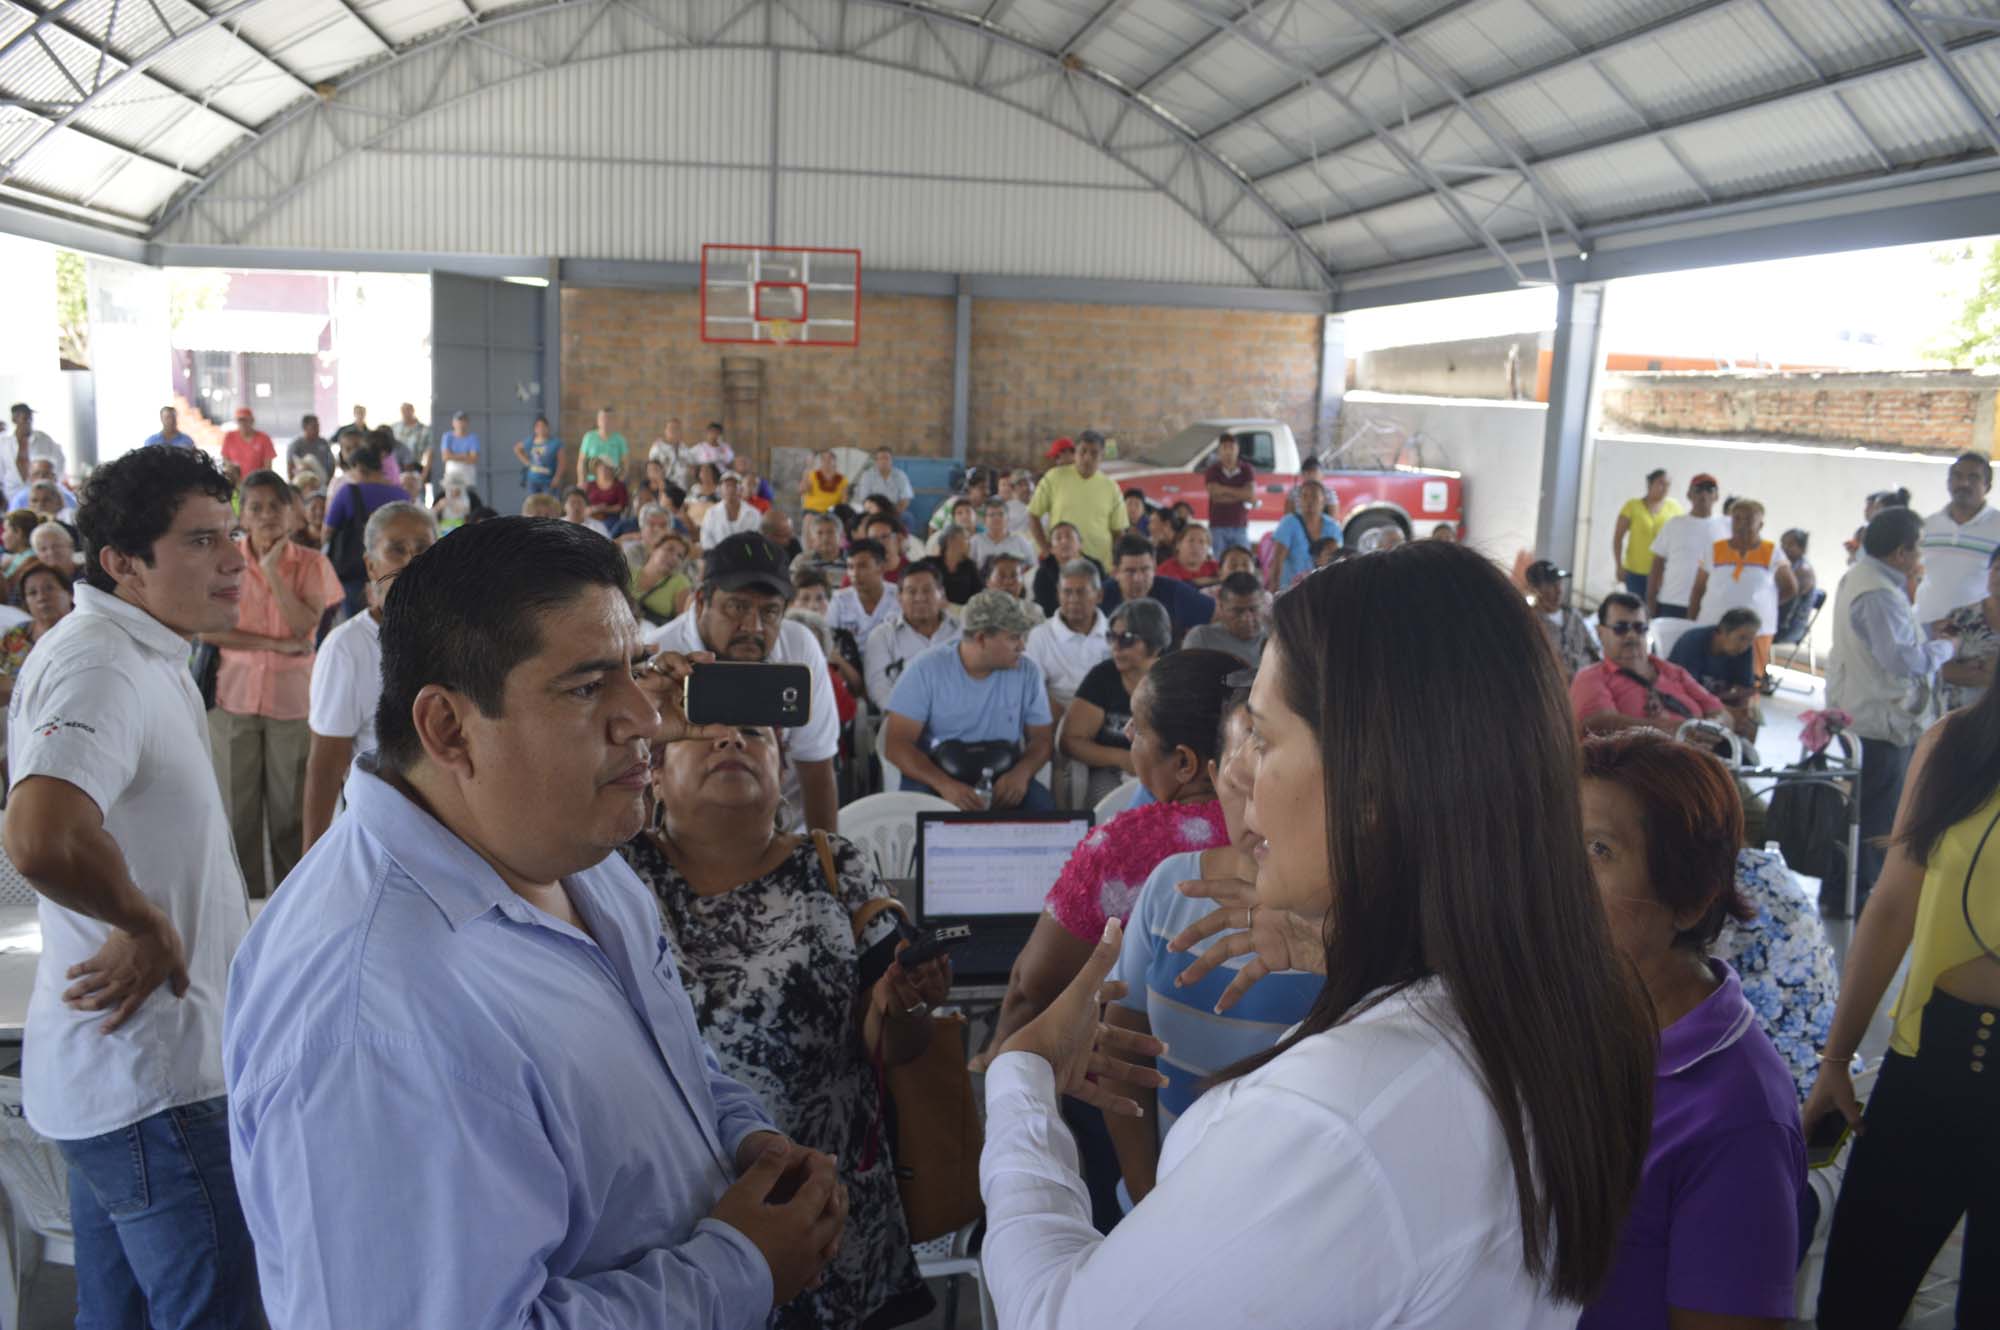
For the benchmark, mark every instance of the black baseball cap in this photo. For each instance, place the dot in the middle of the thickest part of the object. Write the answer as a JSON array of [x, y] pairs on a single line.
[[748, 559], [1544, 571]]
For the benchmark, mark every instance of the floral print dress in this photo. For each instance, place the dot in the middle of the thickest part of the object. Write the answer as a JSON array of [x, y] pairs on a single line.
[[1976, 641], [1102, 878], [773, 972], [1784, 961]]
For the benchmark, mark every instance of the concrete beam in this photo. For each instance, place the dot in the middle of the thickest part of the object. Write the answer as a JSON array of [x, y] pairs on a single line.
[[1566, 437]]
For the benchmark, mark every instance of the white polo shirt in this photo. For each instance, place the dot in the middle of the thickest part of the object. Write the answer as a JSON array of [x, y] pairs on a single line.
[[1066, 656], [1955, 558], [717, 525], [347, 683], [106, 703], [819, 738], [1682, 542], [846, 611]]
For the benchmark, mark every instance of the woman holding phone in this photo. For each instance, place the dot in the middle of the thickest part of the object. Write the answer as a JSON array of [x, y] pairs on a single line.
[[1927, 1150], [1454, 1133]]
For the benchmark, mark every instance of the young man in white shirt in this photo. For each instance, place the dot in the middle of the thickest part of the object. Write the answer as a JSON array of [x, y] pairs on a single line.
[[117, 820], [868, 601], [1959, 540], [1679, 547], [1070, 644], [994, 537], [731, 515], [347, 672]]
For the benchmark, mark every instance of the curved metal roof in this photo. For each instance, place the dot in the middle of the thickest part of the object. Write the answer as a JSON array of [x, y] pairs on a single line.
[[1322, 142]]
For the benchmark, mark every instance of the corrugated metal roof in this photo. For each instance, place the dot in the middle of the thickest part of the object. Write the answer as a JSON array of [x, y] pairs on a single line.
[[1368, 130]]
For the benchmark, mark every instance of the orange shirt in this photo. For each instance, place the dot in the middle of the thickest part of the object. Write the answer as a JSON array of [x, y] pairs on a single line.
[[269, 683]]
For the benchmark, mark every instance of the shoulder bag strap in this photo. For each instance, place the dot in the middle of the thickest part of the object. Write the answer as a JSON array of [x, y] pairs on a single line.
[[868, 913]]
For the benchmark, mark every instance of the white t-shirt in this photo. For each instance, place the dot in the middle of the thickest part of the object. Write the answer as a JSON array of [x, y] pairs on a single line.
[[846, 610], [1066, 656], [347, 683], [819, 738], [106, 703], [985, 547], [1955, 559], [717, 525], [1683, 541], [1752, 585]]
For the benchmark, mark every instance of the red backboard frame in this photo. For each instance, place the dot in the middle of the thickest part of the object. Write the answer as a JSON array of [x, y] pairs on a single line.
[[834, 305]]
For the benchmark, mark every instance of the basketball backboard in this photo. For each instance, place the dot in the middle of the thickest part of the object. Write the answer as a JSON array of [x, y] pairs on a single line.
[[775, 295]]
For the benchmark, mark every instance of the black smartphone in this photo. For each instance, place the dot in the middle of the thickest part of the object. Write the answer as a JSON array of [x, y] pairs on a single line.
[[1823, 1142], [932, 943], [727, 692]]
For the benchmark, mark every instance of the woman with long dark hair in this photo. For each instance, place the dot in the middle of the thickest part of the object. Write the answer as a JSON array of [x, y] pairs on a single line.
[[1927, 1150], [1454, 1133]]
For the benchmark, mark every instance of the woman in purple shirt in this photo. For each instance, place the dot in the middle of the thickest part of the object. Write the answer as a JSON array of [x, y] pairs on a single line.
[[1712, 1239]]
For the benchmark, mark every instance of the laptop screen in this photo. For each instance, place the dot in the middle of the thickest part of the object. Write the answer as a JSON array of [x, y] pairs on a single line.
[[973, 865]]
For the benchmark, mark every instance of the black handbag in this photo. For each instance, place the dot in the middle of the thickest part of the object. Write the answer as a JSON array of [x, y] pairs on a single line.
[[966, 761], [205, 663]]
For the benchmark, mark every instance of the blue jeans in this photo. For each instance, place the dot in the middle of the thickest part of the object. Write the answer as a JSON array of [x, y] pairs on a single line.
[[1635, 582], [1036, 800], [1222, 538], [160, 1237]]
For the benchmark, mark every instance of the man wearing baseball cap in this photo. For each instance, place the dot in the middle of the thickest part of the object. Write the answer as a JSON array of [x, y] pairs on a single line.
[[974, 710], [1573, 639], [1083, 496], [1678, 548], [247, 446], [739, 614]]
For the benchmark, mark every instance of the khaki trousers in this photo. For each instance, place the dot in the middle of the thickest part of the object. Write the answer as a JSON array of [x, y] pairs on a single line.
[[261, 765]]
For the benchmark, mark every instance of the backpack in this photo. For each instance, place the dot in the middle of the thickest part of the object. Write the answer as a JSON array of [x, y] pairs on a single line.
[[1808, 819]]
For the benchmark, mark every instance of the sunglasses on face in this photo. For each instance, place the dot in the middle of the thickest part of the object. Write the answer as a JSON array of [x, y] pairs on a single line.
[[1627, 627], [1125, 639]]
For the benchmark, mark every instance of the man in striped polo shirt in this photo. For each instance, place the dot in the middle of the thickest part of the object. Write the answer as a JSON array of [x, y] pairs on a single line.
[[1959, 540]]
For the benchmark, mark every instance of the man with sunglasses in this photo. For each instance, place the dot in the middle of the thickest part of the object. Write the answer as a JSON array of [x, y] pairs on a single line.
[[739, 614], [1631, 688]]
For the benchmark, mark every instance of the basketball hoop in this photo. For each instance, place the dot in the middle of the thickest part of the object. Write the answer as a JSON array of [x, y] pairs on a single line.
[[781, 331]]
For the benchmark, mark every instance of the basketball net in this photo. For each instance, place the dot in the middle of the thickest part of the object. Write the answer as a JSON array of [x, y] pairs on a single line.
[[781, 331]]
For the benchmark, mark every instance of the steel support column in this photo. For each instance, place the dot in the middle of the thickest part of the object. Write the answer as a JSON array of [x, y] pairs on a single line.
[[1332, 383], [1566, 437], [961, 373], [552, 344]]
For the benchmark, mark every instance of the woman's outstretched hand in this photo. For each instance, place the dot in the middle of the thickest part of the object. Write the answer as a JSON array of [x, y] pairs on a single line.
[[1274, 940], [1090, 1058]]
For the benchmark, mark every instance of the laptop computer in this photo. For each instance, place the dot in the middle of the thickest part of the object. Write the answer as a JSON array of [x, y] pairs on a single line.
[[991, 870]]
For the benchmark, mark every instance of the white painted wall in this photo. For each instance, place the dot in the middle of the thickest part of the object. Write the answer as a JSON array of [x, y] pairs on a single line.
[[1498, 448]]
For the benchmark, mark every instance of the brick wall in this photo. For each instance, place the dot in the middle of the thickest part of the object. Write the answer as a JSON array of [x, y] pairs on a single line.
[[1038, 371], [1943, 411]]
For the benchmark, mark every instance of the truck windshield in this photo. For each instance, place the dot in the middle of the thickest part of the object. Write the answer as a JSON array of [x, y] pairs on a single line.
[[1181, 448]]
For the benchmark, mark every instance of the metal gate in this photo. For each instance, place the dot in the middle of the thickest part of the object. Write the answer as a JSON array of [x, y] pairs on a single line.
[[486, 360]]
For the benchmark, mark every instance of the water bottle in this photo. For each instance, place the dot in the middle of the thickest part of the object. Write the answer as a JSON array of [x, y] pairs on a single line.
[[984, 790]]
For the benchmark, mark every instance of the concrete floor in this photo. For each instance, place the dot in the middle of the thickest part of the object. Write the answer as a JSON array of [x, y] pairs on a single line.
[[51, 1296]]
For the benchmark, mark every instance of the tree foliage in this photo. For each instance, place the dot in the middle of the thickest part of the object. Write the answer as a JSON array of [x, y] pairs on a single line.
[[1973, 338], [72, 308]]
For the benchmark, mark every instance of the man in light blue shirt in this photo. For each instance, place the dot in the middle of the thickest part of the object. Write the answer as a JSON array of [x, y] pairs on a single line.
[[170, 431], [467, 1087], [979, 691], [885, 479]]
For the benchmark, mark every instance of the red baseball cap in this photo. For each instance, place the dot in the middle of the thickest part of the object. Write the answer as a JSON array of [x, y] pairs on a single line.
[[1701, 480], [1059, 447], [243, 411]]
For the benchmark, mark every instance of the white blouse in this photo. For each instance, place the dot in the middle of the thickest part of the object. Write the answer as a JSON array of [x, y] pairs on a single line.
[[1360, 1180]]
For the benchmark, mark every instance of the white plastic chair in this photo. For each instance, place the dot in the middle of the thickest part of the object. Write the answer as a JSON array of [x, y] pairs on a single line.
[[886, 826], [1116, 802], [1666, 632], [14, 889], [952, 1257], [35, 1177]]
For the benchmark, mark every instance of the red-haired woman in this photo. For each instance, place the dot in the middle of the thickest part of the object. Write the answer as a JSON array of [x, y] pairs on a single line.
[[1714, 1228]]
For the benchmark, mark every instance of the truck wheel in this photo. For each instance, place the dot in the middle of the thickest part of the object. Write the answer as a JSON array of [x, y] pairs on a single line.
[[1364, 533]]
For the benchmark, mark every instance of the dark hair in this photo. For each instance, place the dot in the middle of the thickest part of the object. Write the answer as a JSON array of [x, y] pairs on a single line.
[[575, 492], [1623, 600], [264, 480], [1186, 694], [24, 520], [130, 502], [20, 407], [308, 419], [1985, 464], [994, 561], [1131, 546], [1136, 493], [1655, 474], [957, 504], [1503, 910], [809, 577], [873, 547], [1958, 776], [1240, 584], [1800, 534], [1890, 530], [1896, 498], [925, 568], [715, 425], [468, 610], [35, 568], [1739, 618], [673, 494], [1693, 824], [1320, 544], [880, 519]]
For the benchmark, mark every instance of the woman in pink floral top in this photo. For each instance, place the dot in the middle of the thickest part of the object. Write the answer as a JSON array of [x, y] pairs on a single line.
[[1175, 728]]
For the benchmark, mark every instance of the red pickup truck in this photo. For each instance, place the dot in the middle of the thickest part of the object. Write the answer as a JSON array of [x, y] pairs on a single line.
[[1368, 502]]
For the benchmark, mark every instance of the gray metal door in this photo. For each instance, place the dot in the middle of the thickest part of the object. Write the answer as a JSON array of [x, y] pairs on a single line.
[[486, 360]]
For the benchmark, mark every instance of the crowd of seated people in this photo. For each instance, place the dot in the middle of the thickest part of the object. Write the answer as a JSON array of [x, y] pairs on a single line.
[[1546, 1063]]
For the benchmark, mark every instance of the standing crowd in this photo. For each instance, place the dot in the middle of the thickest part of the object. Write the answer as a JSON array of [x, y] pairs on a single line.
[[566, 1010]]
